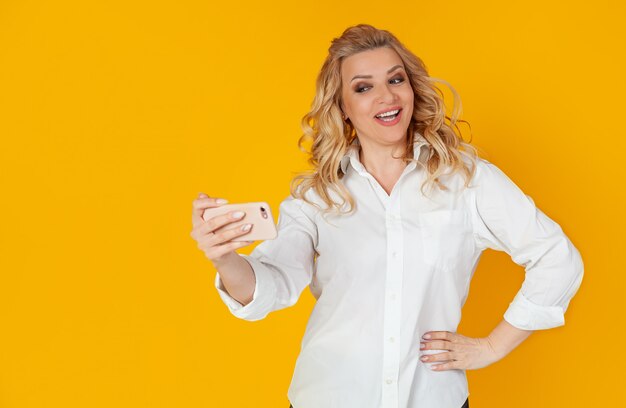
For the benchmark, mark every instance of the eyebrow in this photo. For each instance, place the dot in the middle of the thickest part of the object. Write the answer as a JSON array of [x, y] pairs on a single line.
[[369, 76]]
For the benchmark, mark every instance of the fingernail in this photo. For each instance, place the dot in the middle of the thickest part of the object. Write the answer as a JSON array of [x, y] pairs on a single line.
[[221, 201], [238, 214], [424, 358], [422, 345], [426, 336], [246, 227]]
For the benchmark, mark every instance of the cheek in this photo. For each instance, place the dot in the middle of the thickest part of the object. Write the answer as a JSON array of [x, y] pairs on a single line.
[[409, 98], [408, 95], [361, 108]]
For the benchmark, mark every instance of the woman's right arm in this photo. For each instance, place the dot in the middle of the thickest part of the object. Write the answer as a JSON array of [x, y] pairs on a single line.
[[274, 275], [237, 277]]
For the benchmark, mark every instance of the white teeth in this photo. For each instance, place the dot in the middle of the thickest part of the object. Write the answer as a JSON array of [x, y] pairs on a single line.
[[390, 113]]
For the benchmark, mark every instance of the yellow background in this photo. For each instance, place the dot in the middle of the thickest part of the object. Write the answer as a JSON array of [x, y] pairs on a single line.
[[114, 115]]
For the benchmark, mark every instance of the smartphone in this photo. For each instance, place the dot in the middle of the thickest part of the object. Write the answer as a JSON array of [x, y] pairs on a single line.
[[258, 214]]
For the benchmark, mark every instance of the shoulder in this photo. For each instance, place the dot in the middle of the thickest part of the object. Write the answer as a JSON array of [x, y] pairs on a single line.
[[312, 203], [486, 172], [492, 182], [478, 169], [295, 207]]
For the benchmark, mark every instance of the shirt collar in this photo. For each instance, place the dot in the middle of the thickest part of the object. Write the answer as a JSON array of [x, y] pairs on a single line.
[[353, 151]]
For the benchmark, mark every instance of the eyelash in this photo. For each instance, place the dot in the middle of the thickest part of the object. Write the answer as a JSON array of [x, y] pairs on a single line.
[[359, 88]]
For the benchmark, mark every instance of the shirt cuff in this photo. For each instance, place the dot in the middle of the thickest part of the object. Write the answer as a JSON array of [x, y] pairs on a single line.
[[526, 315], [262, 298]]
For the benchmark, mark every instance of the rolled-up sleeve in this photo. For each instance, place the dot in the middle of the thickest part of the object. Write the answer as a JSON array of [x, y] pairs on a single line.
[[506, 219], [283, 266]]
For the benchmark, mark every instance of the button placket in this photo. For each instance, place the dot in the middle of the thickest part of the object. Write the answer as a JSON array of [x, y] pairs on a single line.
[[392, 313]]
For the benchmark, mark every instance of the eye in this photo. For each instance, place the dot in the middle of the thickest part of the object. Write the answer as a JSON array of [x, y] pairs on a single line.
[[399, 79]]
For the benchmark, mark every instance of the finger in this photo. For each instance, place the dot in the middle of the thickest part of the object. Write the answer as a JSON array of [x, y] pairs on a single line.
[[451, 365], [442, 335], [206, 229], [202, 203], [437, 345], [446, 356], [219, 221], [203, 198], [228, 234]]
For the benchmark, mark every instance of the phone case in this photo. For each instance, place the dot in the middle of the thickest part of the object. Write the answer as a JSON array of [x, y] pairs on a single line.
[[258, 214]]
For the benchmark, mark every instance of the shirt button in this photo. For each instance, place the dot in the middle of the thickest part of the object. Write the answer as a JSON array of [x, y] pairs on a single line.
[[389, 381], [394, 254], [393, 297], [391, 339]]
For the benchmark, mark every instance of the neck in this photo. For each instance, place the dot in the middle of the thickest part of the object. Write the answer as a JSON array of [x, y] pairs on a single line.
[[379, 160]]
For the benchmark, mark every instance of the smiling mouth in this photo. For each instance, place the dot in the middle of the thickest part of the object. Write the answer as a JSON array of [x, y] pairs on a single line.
[[387, 117]]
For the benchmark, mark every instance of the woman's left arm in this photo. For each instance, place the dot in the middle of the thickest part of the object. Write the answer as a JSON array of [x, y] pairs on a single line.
[[468, 353], [506, 219]]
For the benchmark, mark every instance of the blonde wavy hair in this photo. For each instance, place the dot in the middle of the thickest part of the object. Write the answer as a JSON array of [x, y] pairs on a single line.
[[331, 135]]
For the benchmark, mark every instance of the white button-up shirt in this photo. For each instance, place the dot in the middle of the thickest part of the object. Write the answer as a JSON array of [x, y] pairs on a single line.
[[399, 267]]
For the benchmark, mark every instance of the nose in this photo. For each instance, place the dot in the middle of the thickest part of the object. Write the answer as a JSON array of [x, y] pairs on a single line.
[[386, 94]]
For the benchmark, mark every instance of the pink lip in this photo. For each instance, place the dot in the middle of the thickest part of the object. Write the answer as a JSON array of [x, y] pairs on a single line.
[[393, 122]]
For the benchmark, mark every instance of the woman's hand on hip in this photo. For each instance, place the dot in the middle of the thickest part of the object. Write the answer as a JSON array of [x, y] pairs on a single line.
[[463, 353]]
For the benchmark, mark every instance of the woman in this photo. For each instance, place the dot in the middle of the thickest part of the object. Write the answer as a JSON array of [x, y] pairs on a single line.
[[387, 231]]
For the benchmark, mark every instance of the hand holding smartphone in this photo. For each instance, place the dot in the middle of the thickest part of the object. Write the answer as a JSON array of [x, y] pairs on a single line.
[[256, 213]]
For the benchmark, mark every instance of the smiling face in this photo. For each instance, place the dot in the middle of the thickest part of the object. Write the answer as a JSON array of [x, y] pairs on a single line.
[[375, 82]]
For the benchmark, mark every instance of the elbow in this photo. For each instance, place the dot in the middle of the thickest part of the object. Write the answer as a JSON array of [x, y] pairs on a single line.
[[572, 270], [257, 309], [251, 317], [578, 269]]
